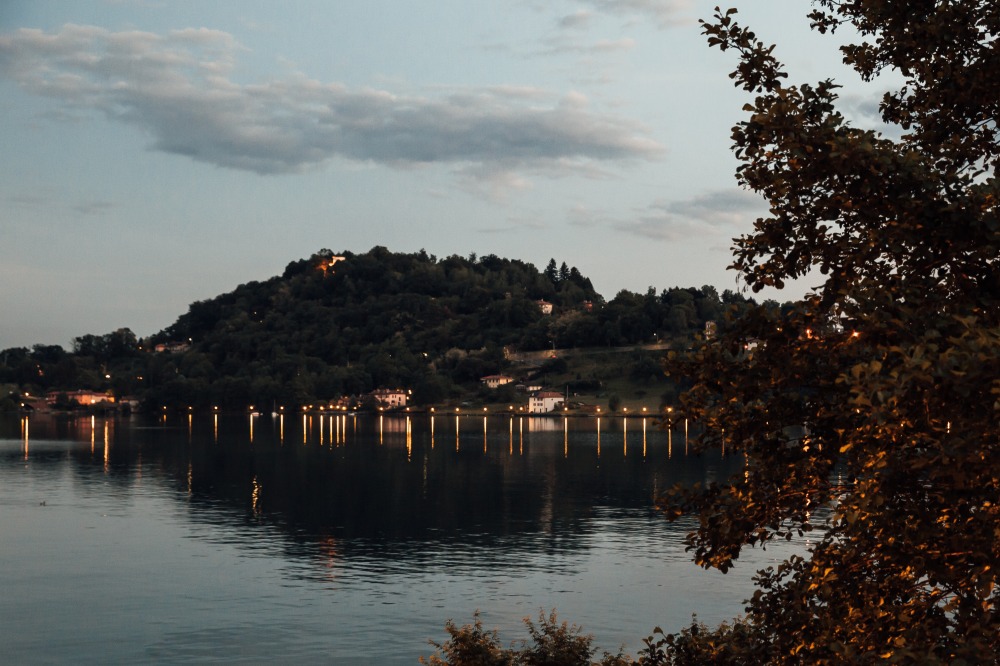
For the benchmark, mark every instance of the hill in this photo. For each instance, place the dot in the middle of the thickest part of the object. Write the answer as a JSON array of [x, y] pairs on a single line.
[[344, 324]]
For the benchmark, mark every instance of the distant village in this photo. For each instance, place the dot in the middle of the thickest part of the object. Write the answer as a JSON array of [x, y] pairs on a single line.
[[539, 400], [384, 331]]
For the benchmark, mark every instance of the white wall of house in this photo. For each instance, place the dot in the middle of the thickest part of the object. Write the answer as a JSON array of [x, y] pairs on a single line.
[[543, 403]]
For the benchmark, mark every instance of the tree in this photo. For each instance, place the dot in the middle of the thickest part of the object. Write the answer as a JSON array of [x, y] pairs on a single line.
[[551, 272], [868, 411]]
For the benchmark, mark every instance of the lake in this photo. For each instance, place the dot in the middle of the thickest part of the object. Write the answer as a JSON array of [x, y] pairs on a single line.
[[341, 539]]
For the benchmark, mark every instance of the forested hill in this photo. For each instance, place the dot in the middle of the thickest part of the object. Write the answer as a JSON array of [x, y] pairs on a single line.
[[337, 307], [344, 324]]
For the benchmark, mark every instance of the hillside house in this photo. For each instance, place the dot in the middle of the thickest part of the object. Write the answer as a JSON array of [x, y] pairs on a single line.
[[172, 347], [544, 402], [495, 381]]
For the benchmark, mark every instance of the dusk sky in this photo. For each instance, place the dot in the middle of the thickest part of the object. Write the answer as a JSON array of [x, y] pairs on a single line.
[[155, 153]]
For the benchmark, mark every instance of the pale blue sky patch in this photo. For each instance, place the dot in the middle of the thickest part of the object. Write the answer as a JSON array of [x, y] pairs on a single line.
[[160, 153]]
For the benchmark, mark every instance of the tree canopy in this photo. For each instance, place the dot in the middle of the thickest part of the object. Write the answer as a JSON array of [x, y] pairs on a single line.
[[869, 412], [337, 325]]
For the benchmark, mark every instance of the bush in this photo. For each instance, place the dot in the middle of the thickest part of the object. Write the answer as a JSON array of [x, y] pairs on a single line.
[[555, 644], [561, 644], [470, 644]]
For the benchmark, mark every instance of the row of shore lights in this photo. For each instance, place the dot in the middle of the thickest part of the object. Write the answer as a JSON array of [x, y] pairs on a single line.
[[321, 408]]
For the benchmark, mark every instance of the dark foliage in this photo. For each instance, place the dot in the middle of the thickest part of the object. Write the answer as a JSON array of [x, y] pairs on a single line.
[[340, 325], [868, 412]]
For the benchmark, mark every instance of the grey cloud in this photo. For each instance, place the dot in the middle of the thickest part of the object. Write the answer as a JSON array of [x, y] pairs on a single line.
[[93, 207], [559, 45], [665, 13], [576, 21], [514, 225], [863, 112], [178, 88], [706, 215]]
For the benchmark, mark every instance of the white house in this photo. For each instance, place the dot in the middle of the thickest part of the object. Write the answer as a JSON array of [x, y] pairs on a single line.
[[544, 402], [545, 307], [390, 398], [495, 381]]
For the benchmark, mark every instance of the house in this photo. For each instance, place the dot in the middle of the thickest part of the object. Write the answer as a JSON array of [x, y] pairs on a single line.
[[80, 397], [545, 307], [544, 402], [343, 402], [172, 347], [389, 398], [496, 381]]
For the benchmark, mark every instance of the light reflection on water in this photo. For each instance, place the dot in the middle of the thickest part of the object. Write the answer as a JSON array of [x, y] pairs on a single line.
[[339, 539]]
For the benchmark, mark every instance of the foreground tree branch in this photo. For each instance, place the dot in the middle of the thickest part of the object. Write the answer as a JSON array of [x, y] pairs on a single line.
[[869, 412]]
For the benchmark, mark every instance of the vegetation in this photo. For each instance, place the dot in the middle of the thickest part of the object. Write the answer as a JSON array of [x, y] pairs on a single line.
[[867, 413], [555, 644], [343, 325], [552, 644]]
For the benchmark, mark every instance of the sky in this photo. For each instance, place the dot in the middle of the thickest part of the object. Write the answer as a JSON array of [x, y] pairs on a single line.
[[155, 153]]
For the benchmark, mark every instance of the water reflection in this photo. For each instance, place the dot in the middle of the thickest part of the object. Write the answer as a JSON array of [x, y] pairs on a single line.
[[379, 517], [404, 490]]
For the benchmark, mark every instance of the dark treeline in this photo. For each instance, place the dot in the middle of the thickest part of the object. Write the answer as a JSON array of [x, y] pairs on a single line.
[[334, 325]]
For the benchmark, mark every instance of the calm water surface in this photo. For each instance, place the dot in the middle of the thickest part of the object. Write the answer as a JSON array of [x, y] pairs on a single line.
[[339, 539]]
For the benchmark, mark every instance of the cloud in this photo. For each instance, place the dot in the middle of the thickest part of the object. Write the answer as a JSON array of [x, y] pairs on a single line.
[[180, 88], [601, 47], [705, 215], [722, 213], [514, 225], [664, 13], [93, 207], [577, 20], [863, 112]]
